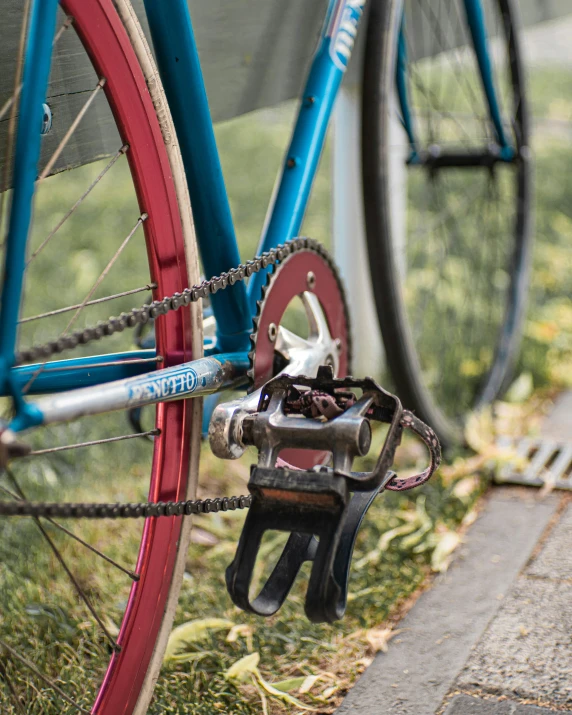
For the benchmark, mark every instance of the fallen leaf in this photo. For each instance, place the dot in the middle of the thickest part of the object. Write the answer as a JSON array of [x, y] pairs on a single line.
[[193, 632], [378, 638], [441, 556], [242, 668], [328, 692], [247, 668], [466, 487], [242, 630], [308, 683], [425, 525], [285, 697], [374, 555], [470, 517], [521, 389], [479, 431], [293, 683], [366, 662], [549, 484]]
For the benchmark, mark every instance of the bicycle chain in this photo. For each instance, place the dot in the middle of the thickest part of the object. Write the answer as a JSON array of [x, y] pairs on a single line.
[[140, 316], [124, 511]]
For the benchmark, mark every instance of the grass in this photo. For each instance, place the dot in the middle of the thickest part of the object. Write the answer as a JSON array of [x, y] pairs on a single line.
[[38, 604], [289, 646]]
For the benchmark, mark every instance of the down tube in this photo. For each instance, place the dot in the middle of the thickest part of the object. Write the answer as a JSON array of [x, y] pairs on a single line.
[[301, 162]]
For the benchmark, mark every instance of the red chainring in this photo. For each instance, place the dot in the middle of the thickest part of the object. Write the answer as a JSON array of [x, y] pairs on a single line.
[[289, 280]]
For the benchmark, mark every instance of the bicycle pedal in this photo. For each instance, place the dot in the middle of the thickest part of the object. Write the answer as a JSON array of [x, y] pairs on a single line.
[[323, 508]]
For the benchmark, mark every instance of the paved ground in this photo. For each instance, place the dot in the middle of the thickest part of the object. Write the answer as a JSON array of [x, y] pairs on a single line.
[[494, 634]]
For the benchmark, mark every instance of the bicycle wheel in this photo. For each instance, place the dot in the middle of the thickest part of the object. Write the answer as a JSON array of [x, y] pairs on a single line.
[[85, 622], [449, 246]]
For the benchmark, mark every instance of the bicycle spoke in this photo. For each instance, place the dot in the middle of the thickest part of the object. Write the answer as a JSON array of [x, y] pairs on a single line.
[[64, 448], [428, 94], [61, 146], [439, 36], [13, 104], [106, 270], [95, 286], [42, 676], [10, 101], [77, 538], [69, 308], [79, 590], [78, 203]]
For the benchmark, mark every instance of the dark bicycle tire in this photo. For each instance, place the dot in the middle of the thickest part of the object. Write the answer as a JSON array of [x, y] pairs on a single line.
[[404, 354]]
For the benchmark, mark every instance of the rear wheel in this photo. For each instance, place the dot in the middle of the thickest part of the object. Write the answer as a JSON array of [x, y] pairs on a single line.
[[449, 246], [87, 607]]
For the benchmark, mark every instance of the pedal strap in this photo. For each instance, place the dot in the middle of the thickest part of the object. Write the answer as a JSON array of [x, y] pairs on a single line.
[[410, 421]]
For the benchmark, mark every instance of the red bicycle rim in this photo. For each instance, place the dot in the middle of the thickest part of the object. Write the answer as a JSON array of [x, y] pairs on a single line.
[[107, 43]]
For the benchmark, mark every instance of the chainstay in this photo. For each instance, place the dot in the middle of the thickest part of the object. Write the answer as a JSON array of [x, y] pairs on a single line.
[[143, 510], [142, 315]]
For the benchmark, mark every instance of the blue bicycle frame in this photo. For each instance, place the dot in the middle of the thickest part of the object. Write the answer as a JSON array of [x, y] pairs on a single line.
[[179, 66]]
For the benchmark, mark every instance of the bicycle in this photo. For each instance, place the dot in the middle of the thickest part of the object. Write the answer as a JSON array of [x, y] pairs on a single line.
[[125, 661]]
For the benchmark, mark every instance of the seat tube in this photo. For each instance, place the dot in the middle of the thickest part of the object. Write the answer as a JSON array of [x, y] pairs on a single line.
[[37, 62], [180, 70], [286, 212], [477, 26]]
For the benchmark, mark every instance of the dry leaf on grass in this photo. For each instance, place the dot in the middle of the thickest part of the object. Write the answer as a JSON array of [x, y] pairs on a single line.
[[441, 556], [243, 667], [241, 630], [247, 669], [192, 632], [378, 638], [470, 518], [286, 686], [465, 488]]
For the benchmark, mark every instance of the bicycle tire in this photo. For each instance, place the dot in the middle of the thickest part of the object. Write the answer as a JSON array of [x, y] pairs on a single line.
[[405, 353]]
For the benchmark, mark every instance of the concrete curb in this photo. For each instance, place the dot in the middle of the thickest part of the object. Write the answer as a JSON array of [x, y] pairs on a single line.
[[423, 663]]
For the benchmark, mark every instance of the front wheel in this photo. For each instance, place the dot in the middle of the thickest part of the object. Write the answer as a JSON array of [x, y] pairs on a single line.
[[449, 245], [87, 607]]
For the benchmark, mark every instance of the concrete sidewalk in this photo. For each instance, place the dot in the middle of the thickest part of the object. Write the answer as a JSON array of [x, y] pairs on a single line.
[[493, 636]]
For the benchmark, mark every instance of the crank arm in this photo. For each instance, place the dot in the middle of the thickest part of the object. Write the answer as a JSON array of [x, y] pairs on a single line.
[[226, 425]]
